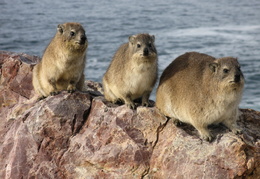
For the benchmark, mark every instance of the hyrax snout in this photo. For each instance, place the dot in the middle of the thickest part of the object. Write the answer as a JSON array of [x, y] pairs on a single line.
[[132, 72], [63, 62], [201, 90]]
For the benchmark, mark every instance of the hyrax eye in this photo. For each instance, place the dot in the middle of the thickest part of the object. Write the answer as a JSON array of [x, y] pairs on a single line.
[[138, 45], [150, 45], [72, 33], [225, 70]]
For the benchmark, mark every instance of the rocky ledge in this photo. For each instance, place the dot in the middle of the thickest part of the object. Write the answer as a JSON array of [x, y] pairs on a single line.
[[80, 135]]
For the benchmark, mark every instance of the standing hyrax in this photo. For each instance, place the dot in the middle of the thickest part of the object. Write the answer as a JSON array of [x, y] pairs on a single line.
[[132, 72], [63, 62], [201, 90]]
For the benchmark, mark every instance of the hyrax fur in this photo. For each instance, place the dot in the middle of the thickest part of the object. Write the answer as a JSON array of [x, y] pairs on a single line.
[[132, 73], [63, 62], [201, 90]]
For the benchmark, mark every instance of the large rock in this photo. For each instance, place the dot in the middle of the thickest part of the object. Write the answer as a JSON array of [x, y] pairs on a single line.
[[80, 135]]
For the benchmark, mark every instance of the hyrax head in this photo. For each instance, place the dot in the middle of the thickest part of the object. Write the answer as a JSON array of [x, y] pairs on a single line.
[[142, 46], [73, 35], [227, 71]]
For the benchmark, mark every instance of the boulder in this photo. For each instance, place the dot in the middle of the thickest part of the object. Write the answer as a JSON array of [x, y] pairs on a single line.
[[81, 135]]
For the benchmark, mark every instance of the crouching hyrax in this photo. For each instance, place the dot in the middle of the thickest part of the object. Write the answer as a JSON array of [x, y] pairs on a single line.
[[133, 71], [63, 62], [201, 90]]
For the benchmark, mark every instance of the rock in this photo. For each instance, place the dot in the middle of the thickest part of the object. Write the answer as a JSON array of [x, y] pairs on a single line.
[[118, 142], [81, 135], [229, 156]]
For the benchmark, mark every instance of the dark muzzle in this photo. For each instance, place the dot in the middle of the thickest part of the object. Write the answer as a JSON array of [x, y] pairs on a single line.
[[237, 78], [146, 52], [83, 39]]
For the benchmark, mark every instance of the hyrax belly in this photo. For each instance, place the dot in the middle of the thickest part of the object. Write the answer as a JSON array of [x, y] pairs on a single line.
[[133, 71], [201, 90], [141, 80]]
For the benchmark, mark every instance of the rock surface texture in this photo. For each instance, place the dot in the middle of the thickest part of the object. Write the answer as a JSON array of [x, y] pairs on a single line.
[[80, 135]]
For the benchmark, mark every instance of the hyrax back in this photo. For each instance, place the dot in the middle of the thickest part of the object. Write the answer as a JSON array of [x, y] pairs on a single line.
[[133, 71], [63, 62], [201, 90]]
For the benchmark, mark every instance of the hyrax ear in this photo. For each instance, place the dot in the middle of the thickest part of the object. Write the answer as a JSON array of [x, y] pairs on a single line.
[[132, 38], [60, 28], [213, 66]]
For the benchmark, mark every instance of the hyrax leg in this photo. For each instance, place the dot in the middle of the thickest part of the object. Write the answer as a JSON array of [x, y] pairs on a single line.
[[76, 83], [145, 98], [72, 86], [54, 91], [204, 132], [80, 83], [109, 95], [176, 122], [128, 101], [231, 124]]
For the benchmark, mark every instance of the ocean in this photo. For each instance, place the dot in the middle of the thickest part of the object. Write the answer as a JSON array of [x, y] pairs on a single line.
[[217, 28]]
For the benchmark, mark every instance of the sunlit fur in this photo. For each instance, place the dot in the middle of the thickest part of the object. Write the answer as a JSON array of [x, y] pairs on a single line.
[[63, 62], [132, 73], [201, 90]]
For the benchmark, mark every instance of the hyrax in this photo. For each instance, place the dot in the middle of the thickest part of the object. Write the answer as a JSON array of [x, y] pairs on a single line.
[[132, 73], [201, 90], [63, 62]]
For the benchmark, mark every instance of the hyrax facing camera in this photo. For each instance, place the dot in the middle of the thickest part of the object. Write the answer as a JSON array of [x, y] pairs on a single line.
[[201, 90], [133, 71], [63, 62]]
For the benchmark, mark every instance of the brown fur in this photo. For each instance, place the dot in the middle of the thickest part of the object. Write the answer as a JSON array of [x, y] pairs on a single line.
[[133, 71], [201, 90], [63, 62]]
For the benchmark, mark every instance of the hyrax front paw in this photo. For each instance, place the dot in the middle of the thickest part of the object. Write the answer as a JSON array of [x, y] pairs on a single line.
[[177, 122], [206, 135], [53, 93], [146, 104], [130, 105], [208, 138], [233, 126], [118, 101], [145, 99], [237, 130], [71, 89]]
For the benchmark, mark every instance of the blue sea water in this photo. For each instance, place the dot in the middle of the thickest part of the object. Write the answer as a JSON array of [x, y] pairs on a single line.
[[218, 28]]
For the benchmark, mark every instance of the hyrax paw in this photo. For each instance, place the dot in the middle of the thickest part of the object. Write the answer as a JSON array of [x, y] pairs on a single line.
[[130, 105], [237, 130], [207, 137], [234, 128], [118, 101], [54, 93], [41, 98], [177, 122], [146, 104], [71, 89]]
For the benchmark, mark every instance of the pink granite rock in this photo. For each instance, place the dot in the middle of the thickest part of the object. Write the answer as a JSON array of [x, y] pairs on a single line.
[[80, 135], [228, 156], [118, 142]]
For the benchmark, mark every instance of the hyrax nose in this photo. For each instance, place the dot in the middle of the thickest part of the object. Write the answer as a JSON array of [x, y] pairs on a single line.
[[83, 38], [146, 52], [237, 78]]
